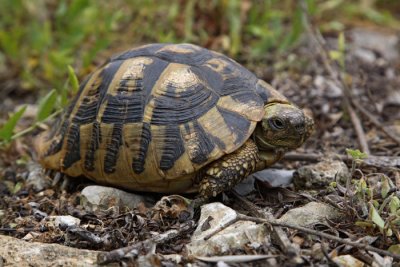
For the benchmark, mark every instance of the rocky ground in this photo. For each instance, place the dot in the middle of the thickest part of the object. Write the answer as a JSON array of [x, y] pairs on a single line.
[[341, 211]]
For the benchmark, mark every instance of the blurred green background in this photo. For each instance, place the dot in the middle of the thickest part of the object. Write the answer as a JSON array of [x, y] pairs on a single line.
[[40, 38]]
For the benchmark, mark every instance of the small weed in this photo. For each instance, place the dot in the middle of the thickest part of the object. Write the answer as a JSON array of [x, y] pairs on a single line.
[[378, 210], [357, 158], [48, 107], [7, 130], [339, 54]]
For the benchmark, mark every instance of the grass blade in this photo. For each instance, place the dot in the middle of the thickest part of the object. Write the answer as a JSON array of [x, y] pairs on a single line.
[[73, 80], [46, 105], [6, 131]]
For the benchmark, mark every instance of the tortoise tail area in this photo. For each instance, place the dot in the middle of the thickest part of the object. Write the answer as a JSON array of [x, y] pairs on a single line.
[[48, 146]]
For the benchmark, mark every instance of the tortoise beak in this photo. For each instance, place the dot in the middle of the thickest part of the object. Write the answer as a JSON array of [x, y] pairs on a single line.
[[303, 128]]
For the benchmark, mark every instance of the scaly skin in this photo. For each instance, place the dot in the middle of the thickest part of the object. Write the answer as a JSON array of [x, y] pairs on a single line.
[[227, 172]]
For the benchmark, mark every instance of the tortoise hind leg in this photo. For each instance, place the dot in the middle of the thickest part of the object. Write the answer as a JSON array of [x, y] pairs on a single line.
[[228, 171]]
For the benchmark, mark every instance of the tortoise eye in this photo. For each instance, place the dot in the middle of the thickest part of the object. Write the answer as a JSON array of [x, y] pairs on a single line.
[[276, 124]]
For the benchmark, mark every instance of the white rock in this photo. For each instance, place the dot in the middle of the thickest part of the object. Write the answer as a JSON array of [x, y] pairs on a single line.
[[16, 252], [64, 220], [327, 87], [365, 55], [233, 237], [319, 81], [385, 44], [176, 258], [348, 261], [391, 105], [36, 177], [222, 264], [96, 197], [332, 90], [310, 214]]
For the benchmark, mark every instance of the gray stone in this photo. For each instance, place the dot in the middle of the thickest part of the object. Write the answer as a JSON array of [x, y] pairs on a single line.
[[34, 205], [38, 214], [97, 197], [383, 43], [365, 55], [391, 105], [233, 237], [332, 90], [64, 221], [31, 110], [310, 214], [275, 177], [37, 178], [246, 186], [320, 175], [327, 87]]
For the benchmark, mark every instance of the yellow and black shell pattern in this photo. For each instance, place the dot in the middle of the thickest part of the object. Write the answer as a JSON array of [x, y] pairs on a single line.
[[150, 118]]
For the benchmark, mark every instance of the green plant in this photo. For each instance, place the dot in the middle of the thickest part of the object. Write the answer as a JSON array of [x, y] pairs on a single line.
[[379, 209], [39, 38], [340, 54], [369, 197], [6, 131], [357, 157], [383, 211], [48, 107], [267, 26]]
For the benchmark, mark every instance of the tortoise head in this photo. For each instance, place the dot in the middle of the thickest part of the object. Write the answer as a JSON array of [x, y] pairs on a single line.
[[283, 127]]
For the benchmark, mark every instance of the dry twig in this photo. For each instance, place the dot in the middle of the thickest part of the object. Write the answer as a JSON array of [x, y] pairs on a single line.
[[278, 234], [375, 161], [375, 121], [132, 251], [241, 217], [335, 74]]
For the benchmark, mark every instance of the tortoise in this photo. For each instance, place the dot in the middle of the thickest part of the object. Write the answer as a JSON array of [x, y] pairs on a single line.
[[172, 118]]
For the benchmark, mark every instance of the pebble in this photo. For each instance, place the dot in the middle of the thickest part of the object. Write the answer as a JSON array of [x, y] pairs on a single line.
[[310, 214], [320, 175], [234, 237], [95, 197], [37, 178]]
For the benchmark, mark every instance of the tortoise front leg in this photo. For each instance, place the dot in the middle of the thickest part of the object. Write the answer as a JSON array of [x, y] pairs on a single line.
[[228, 171], [268, 158]]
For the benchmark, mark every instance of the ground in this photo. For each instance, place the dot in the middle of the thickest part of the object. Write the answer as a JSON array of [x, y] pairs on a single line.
[[370, 72]]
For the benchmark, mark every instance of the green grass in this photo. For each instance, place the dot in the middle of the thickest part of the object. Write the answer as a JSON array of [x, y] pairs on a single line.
[[39, 39]]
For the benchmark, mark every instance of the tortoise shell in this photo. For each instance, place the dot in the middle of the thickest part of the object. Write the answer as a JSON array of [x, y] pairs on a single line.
[[151, 118]]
